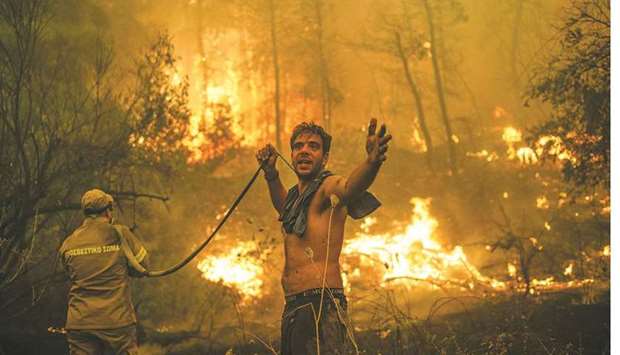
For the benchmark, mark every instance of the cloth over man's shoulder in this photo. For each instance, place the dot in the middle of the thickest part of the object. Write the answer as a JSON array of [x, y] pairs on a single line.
[[294, 217]]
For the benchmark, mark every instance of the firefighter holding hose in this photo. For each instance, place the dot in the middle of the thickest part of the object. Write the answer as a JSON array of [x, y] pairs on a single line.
[[100, 312]]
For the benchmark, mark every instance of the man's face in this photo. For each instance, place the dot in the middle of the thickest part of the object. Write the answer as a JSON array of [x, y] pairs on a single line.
[[307, 155]]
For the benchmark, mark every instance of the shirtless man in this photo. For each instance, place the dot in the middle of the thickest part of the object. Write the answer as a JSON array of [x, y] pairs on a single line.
[[313, 215]]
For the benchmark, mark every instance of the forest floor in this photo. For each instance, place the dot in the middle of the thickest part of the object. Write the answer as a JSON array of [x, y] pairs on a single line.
[[562, 323]]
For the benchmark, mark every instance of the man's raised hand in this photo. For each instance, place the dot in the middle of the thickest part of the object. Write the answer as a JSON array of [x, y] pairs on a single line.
[[266, 157], [377, 142]]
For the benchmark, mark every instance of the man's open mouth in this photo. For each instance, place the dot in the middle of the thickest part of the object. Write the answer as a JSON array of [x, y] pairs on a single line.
[[304, 162]]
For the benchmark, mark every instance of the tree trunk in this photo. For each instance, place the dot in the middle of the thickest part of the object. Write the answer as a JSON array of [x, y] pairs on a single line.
[[514, 56], [514, 50], [276, 74], [323, 69], [418, 102], [204, 66], [440, 91]]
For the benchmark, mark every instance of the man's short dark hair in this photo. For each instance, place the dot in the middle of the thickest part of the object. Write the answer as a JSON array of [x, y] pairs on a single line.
[[313, 128]]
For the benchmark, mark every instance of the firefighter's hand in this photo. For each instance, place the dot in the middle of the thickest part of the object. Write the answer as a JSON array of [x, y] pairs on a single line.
[[377, 142], [266, 157]]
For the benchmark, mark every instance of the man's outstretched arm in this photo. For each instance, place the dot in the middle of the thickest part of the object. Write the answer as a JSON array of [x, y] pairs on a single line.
[[267, 157], [364, 174]]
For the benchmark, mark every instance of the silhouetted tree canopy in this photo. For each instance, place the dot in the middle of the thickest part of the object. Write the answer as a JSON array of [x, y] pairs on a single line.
[[576, 83]]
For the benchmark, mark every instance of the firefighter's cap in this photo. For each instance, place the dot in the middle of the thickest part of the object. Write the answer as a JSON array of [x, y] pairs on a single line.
[[96, 201]]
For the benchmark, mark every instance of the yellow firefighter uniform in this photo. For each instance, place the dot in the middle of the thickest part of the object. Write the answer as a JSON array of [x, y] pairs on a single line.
[[100, 311]]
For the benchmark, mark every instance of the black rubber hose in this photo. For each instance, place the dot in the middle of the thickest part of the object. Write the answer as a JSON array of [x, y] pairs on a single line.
[[184, 262]]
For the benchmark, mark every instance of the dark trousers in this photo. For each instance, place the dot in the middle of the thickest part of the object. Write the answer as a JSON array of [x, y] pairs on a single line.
[[301, 324], [95, 342]]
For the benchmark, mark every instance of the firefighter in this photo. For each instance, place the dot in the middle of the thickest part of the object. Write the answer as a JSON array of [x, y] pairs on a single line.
[[100, 314]]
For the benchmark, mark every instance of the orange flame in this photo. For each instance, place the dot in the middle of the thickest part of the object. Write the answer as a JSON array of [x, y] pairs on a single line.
[[225, 94], [569, 269], [484, 154], [511, 135], [419, 144], [549, 144], [239, 269], [412, 255], [554, 146], [542, 202]]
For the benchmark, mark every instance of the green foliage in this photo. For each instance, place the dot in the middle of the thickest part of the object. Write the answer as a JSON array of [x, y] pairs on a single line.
[[161, 114], [576, 82]]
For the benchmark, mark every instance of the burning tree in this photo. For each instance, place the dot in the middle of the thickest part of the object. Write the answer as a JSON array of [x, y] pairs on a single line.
[[164, 126], [161, 112], [317, 47], [265, 20], [67, 122]]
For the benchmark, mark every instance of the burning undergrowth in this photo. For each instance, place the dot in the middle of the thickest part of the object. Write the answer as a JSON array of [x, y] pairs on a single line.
[[501, 227], [505, 229], [417, 253], [410, 256]]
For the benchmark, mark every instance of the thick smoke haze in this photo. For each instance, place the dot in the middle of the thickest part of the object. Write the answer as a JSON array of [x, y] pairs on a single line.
[[494, 231]]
